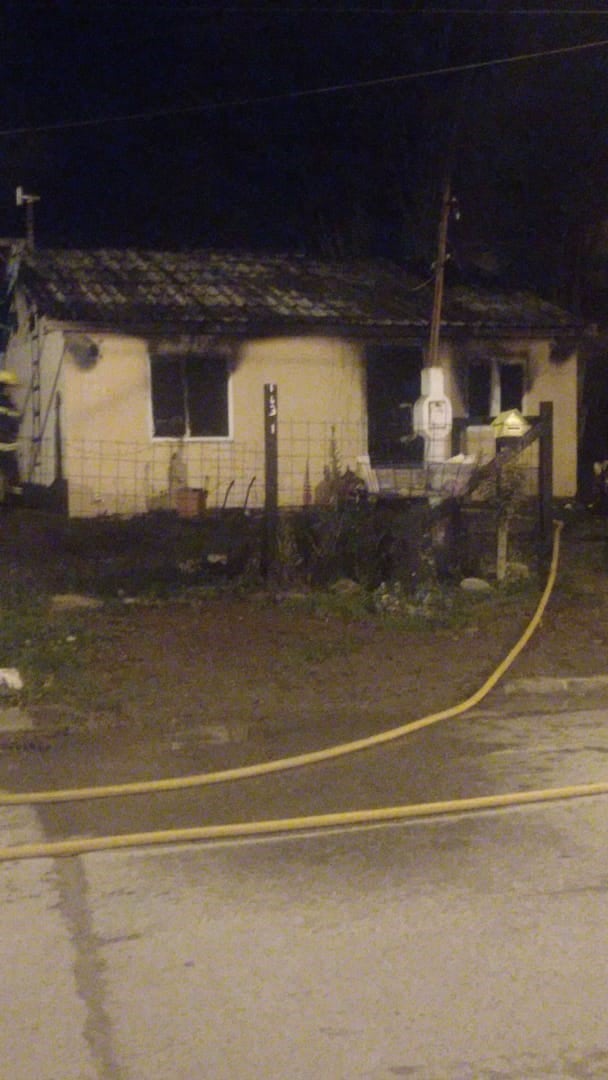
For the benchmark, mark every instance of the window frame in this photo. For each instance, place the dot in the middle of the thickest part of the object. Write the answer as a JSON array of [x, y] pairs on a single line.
[[181, 359], [494, 365]]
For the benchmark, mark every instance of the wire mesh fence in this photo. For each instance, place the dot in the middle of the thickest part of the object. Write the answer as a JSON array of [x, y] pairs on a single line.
[[318, 462], [128, 478]]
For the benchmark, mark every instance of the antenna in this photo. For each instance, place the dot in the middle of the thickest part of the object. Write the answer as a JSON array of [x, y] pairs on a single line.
[[28, 201]]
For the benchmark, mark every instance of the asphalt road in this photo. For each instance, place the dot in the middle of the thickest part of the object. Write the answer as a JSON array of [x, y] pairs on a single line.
[[508, 743], [462, 949]]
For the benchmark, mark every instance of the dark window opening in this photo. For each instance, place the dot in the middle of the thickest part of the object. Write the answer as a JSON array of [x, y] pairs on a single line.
[[393, 385], [493, 387], [480, 390], [190, 397], [511, 386], [168, 406]]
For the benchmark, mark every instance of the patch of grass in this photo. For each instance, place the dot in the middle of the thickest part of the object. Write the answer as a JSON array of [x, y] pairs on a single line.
[[328, 604], [47, 651], [452, 608], [505, 603], [438, 606]]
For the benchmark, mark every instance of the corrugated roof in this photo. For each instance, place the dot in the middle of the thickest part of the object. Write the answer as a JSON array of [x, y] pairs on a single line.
[[238, 293]]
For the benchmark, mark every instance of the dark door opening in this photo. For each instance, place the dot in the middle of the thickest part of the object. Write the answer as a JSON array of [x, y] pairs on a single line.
[[393, 385]]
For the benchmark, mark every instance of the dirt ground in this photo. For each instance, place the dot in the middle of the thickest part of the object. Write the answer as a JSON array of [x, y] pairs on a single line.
[[167, 687]]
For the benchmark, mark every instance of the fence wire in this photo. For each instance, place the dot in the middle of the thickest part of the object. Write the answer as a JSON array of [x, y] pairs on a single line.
[[316, 462]]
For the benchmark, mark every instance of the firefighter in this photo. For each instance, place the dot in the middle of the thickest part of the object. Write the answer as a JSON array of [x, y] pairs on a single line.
[[9, 429]]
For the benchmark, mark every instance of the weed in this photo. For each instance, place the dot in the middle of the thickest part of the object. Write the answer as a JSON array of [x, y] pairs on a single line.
[[288, 562]]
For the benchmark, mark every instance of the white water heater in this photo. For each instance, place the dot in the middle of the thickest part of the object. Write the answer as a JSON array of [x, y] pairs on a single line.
[[433, 416]]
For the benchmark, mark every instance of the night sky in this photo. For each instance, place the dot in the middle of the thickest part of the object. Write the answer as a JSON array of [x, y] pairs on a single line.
[[346, 173]]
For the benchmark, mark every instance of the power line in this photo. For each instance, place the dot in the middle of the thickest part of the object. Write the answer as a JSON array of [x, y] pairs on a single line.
[[515, 12], [211, 10], [290, 9], [293, 95], [344, 9]]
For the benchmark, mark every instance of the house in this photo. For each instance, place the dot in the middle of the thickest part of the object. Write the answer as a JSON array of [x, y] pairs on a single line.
[[142, 372]]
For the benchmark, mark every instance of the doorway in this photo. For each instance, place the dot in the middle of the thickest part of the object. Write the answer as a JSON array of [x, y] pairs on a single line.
[[393, 385]]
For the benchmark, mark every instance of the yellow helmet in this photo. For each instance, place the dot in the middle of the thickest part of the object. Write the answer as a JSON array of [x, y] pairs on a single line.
[[8, 378]]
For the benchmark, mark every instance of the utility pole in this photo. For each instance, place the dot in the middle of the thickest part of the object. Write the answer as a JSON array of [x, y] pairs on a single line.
[[433, 409], [447, 205]]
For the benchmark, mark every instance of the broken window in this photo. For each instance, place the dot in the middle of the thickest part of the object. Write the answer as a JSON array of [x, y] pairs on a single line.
[[495, 386], [190, 396], [393, 385]]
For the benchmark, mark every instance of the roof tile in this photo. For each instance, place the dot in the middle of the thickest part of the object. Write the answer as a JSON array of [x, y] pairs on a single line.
[[248, 292]]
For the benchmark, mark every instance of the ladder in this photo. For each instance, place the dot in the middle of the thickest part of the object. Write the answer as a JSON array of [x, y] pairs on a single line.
[[35, 393]]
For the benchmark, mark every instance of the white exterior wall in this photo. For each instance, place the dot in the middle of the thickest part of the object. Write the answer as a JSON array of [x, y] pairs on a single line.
[[48, 343], [547, 380], [557, 382], [114, 465], [320, 390], [321, 396], [106, 427]]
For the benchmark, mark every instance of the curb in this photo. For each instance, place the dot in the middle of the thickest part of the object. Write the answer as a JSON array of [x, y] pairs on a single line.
[[548, 684]]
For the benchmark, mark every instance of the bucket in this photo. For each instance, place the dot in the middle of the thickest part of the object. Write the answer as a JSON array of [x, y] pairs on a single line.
[[190, 502]]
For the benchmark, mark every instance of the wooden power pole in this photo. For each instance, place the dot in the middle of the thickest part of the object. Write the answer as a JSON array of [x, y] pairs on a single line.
[[447, 203]]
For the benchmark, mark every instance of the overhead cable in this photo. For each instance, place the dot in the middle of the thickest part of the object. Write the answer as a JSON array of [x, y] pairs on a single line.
[[292, 95]]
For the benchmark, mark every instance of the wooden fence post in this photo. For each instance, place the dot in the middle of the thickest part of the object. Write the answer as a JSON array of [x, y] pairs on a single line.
[[271, 488], [545, 479]]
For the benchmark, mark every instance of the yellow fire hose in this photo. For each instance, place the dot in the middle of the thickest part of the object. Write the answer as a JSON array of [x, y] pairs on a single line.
[[344, 818]]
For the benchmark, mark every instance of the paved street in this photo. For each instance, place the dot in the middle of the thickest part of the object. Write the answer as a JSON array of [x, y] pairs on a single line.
[[468, 948], [460, 949]]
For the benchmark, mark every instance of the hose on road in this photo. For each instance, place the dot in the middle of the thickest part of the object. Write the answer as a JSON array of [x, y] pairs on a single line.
[[312, 823]]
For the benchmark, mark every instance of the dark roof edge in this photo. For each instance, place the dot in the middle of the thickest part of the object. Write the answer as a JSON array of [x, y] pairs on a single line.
[[418, 330]]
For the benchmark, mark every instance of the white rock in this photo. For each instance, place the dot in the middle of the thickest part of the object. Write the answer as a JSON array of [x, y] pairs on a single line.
[[475, 584], [69, 601], [518, 571], [10, 679]]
